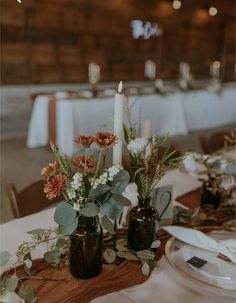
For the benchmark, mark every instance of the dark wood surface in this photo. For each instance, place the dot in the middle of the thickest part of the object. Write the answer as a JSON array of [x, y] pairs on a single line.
[[60, 286], [52, 41]]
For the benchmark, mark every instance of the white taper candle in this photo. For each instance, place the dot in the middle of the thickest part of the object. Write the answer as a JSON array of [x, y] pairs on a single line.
[[118, 124]]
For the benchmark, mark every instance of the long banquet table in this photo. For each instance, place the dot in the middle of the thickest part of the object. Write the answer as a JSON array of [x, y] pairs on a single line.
[[164, 285], [173, 113]]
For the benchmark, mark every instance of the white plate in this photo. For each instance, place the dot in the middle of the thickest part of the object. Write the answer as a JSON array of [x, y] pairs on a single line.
[[217, 274]]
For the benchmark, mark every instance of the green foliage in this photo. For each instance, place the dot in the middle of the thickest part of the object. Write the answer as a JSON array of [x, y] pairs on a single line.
[[111, 209], [122, 201], [89, 210], [109, 255], [51, 256], [145, 269], [27, 293], [65, 216], [101, 189], [5, 256], [68, 228], [11, 283], [27, 263], [107, 224], [63, 161], [120, 182], [37, 231]]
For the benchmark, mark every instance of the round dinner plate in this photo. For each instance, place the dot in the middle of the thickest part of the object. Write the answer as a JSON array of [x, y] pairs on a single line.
[[218, 275]]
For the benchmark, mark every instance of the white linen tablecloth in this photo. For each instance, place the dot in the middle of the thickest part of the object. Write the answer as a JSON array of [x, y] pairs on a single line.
[[176, 114], [14, 232], [164, 286]]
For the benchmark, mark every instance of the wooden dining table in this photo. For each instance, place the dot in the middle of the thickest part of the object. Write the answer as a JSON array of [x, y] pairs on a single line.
[[54, 285]]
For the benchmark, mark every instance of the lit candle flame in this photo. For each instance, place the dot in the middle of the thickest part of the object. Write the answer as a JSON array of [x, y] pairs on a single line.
[[216, 64], [120, 87]]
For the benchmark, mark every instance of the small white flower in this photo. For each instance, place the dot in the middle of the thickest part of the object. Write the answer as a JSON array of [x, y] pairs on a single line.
[[77, 180], [137, 145], [71, 193], [76, 206]]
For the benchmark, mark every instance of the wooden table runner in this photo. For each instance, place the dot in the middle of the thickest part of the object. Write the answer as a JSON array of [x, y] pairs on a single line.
[[113, 277]]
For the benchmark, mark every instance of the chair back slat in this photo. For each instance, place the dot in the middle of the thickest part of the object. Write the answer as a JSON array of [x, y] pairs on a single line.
[[214, 142], [29, 200]]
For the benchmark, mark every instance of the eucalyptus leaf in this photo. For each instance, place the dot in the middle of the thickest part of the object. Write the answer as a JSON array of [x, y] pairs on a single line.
[[156, 244], [121, 200], [120, 182], [69, 228], [5, 256], [27, 293], [12, 283], [127, 255], [37, 231], [64, 214], [61, 242], [120, 247], [107, 224], [109, 255], [111, 209], [90, 210], [28, 263], [51, 256], [145, 269], [99, 190]]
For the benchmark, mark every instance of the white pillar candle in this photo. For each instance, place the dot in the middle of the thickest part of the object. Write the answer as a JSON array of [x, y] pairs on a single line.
[[215, 69], [184, 70], [94, 73], [118, 125], [147, 129], [150, 69]]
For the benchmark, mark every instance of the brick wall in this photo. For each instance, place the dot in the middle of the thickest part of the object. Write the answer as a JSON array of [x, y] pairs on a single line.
[[52, 41]]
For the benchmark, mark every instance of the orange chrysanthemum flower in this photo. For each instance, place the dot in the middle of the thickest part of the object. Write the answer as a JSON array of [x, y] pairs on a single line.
[[87, 165], [86, 141], [50, 170], [54, 186], [105, 139]]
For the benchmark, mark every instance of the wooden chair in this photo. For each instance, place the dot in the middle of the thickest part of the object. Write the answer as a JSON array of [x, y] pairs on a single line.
[[29, 200], [213, 142]]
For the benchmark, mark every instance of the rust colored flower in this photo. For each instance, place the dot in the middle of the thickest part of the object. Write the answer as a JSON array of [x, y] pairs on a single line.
[[87, 165], [86, 141], [54, 186], [50, 170], [105, 139]]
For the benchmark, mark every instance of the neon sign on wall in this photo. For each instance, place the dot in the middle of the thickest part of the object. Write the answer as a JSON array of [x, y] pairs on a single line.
[[145, 30]]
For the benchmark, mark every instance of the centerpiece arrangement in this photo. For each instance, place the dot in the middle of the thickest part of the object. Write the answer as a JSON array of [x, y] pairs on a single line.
[[219, 180], [93, 197], [149, 158]]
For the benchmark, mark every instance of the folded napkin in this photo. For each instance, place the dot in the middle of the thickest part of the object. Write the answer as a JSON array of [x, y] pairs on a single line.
[[201, 240]]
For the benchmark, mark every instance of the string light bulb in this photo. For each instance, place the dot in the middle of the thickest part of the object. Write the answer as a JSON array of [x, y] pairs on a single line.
[[212, 11], [177, 4]]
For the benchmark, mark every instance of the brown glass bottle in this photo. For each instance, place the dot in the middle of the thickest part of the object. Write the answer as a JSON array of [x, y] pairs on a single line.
[[210, 200], [142, 225], [86, 249]]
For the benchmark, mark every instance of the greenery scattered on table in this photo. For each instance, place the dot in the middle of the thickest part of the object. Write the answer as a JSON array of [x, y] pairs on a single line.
[[221, 175], [57, 254]]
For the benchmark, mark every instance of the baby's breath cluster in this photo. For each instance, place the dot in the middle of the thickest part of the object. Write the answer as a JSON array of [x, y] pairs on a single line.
[[107, 175]]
